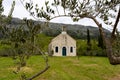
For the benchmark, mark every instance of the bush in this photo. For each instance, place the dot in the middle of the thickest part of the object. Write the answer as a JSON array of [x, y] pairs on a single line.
[[6, 48], [95, 50], [99, 52], [7, 52]]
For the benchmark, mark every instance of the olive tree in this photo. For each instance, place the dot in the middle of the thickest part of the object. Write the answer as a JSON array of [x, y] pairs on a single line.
[[21, 39]]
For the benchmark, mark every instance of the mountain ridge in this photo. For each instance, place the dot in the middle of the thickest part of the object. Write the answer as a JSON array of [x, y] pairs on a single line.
[[75, 30]]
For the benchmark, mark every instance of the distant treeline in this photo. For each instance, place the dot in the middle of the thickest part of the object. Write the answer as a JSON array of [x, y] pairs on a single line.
[[79, 33]]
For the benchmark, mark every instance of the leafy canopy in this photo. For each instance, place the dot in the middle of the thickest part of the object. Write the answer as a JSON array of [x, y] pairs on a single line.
[[76, 9]]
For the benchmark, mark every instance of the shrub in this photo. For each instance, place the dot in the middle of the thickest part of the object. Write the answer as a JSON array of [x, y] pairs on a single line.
[[95, 50], [7, 52]]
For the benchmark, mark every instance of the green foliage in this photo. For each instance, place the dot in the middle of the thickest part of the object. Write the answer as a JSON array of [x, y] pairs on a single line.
[[88, 41], [51, 32], [39, 12], [43, 41], [21, 39], [88, 37], [5, 21], [100, 42], [81, 47], [21, 42], [6, 48], [95, 50], [75, 9]]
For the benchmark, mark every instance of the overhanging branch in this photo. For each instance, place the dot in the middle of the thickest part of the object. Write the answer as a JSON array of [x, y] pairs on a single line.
[[116, 23], [46, 66]]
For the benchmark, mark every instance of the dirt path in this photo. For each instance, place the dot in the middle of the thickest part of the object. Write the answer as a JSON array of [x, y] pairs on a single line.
[[115, 78]]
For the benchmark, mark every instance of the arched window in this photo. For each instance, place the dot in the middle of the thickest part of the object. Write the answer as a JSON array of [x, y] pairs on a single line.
[[71, 49], [56, 49]]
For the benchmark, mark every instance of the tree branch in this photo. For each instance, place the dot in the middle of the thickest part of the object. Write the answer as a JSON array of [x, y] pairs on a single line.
[[57, 10], [59, 16], [39, 73], [29, 11], [115, 25], [46, 61]]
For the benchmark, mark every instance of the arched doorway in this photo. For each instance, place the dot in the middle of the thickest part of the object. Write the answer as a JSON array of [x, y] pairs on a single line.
[[64, 51]]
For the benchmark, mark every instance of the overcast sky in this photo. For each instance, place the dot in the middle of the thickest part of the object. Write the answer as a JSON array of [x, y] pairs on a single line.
[[20, 12]]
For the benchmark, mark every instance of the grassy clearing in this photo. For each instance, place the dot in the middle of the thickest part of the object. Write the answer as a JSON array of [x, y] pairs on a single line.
[[62, 68]]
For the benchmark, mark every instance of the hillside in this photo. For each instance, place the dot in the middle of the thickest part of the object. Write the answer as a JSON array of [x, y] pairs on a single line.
[[76, 31], [53, 29]]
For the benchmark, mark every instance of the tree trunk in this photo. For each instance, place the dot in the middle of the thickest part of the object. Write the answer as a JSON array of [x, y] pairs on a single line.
[[112, 58], [107, 42]]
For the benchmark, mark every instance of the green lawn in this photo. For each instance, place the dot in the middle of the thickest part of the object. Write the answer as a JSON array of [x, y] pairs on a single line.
[[62, 68]]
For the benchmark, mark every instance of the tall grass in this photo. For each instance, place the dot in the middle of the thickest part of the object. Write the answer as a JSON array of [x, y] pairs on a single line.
[[62, 68]]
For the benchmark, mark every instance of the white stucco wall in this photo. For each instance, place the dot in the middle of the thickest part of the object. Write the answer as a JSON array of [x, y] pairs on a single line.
[[63, 40]]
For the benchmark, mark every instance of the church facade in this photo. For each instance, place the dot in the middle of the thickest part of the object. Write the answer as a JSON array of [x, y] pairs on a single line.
[[63, 45]]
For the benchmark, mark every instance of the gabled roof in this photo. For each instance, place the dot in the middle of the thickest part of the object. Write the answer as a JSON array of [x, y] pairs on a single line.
[[63, 34]]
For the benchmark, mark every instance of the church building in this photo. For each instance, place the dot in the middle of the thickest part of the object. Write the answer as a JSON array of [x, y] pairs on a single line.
[[63, 45]]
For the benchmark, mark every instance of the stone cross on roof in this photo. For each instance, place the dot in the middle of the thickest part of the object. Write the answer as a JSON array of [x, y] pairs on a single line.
[[63, 30]]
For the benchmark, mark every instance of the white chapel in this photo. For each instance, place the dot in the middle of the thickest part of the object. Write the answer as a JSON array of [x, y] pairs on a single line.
[[63, 45]]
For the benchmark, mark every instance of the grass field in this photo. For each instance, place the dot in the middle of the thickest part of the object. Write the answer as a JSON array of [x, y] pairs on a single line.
[[62, 68]]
